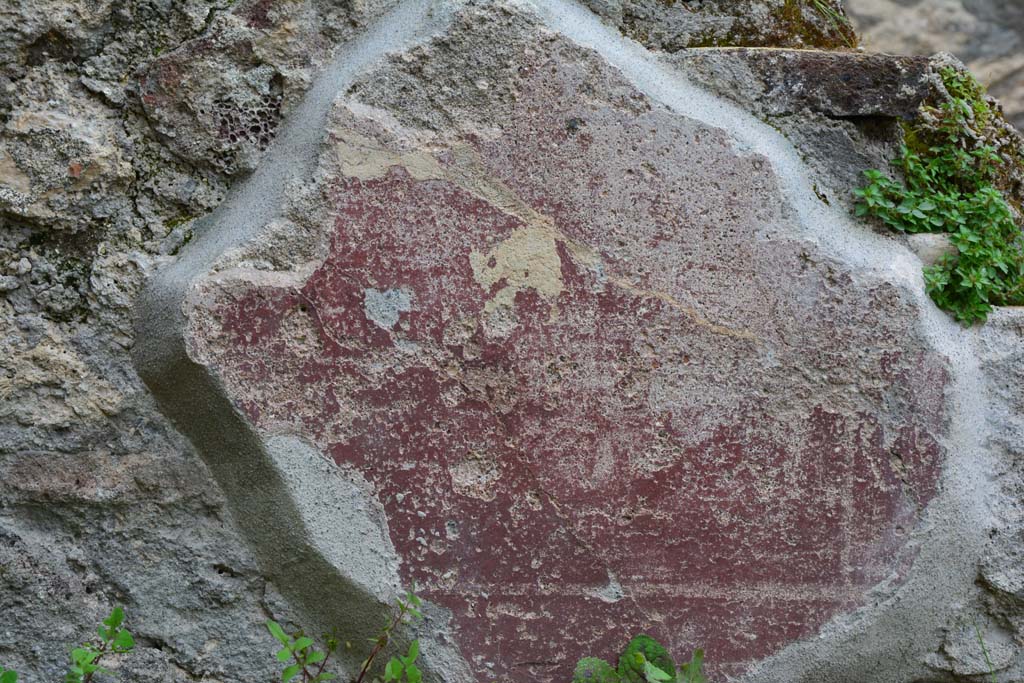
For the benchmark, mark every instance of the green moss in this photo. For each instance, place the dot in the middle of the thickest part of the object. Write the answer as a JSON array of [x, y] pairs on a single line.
[[594, 670], [812, 23], [178, 220], [792, 24]]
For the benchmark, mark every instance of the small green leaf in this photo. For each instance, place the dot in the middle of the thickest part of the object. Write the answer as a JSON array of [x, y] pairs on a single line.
[[302, 643], [393, 670], [8, 677], [278, 632], [413, 674], [284, 654], [115, 619], [123, 641], [290, 672], [653, 674]]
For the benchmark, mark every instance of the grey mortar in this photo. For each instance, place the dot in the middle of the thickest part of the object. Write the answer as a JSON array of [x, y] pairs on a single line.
[[384, 308], [319, 566]]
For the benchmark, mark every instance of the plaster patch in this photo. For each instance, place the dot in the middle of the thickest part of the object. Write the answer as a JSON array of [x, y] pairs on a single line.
[[384, 308], [367, 159], [612, 592], [341, 516], [528, 259]]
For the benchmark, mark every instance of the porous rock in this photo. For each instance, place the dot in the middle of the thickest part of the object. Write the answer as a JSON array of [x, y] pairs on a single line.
[[499, 302], [101, 502], [218, 98]]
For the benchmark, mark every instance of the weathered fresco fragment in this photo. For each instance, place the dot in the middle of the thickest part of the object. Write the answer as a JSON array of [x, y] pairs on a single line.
[[597, 379]]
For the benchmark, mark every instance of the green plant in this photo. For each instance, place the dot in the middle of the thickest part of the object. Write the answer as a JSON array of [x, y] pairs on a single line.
[[8, 676], [949, 185], [692, 671], [299, 655], [594, 670], [644, 660], [303, 659], [85, 659], [397, 667], [840, 24], [642, 653]]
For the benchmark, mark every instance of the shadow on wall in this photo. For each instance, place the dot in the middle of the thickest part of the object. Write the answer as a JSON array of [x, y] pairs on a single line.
[[987, 35]]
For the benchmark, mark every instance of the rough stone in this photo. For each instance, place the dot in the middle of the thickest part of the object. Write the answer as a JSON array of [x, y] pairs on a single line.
[[218, 99], [671, 25], [988, 35], [101, 503], [835, 84], [634, 336]]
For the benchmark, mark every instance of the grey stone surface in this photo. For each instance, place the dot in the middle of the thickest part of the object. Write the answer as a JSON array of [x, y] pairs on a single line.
[[844, 85], [987, 35], [673, 25], [101, 502], [123, 124]]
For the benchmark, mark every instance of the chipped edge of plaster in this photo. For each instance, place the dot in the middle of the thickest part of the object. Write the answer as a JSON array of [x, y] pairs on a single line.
[[345, 524]]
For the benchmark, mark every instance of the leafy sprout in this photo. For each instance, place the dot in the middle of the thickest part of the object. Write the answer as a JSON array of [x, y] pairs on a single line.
[[644, 660], [85, 659], [304, 662]]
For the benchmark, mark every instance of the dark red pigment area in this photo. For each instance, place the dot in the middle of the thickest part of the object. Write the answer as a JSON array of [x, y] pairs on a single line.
[[535, 486]]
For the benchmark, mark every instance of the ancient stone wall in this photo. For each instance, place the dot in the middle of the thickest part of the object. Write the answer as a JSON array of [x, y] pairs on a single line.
[[557, 310]]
